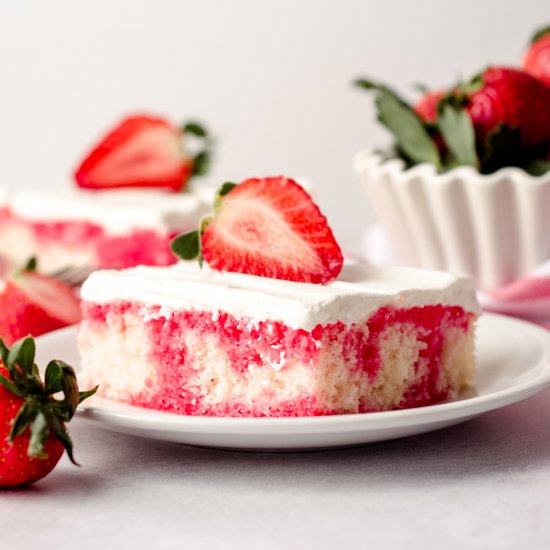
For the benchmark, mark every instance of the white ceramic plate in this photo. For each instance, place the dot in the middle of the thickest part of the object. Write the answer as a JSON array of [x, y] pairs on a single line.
[[513, 364]]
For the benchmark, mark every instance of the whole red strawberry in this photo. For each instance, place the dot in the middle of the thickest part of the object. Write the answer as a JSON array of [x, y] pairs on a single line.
[[32, 303], [33, 435], [143, 151], [267, 227], [509, 97], [537, 57]]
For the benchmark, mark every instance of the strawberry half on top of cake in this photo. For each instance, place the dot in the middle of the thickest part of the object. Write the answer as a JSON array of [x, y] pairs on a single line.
[[274, 326], [126, 206]]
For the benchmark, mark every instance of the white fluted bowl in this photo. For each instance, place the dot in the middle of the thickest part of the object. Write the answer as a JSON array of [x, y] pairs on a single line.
[[494, 227]]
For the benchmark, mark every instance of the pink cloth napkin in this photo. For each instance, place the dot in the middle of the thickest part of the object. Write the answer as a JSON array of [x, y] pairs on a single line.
[[527, 297]]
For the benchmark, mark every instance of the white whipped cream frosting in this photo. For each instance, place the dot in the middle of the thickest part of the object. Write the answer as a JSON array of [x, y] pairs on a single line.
[[359, 291], [116, 210]]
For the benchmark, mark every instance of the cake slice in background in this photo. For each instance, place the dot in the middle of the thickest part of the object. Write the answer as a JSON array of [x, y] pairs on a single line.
[[111, 229], [132, 194]]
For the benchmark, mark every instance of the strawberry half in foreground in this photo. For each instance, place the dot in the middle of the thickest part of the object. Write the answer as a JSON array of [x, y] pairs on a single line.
[[33, 435], [267, 227], [32, 303], [144, 151]]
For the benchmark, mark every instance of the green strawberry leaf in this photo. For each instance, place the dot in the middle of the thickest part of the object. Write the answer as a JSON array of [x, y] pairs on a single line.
[[186, 246], [201, 163], [85, 394], [220, 193], [463, 91], [501, 148], [12, 387], [70, 388], [540, 33], [226, 188], [410, 133], [31, 264], [27, 413], [537, 167], [195, 128], [4, 352], [202, 159], [53, 377], [63, 436], [39, 435], [203, 225], [189, 245], [22, 354], [458, 132]]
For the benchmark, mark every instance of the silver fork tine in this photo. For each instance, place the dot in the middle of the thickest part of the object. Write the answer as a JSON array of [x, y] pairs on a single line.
[[73, 275]]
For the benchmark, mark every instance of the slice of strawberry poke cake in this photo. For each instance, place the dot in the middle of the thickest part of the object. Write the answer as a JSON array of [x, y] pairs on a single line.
[[274, 326], [126, 206], [112, 229]]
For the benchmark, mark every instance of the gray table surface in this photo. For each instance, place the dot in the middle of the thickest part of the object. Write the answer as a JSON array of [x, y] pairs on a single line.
[[483, 484]]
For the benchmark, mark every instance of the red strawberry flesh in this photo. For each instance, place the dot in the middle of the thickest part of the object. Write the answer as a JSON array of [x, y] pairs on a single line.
[[32, 303], [140, 152], [537, 58], [514, 98], [270, 227]]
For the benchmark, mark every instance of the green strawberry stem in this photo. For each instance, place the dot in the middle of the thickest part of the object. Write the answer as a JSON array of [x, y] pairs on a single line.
[[539, 34], [202, 159], [31, 265], [188, 245], [41, 413]]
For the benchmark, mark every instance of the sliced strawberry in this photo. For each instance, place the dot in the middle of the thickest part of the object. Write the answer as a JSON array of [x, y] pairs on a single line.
[[32, 303], [140, 152], [268, 227], [537, 57]]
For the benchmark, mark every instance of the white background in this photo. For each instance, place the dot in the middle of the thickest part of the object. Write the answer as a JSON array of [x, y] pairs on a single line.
[[271, 79]]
